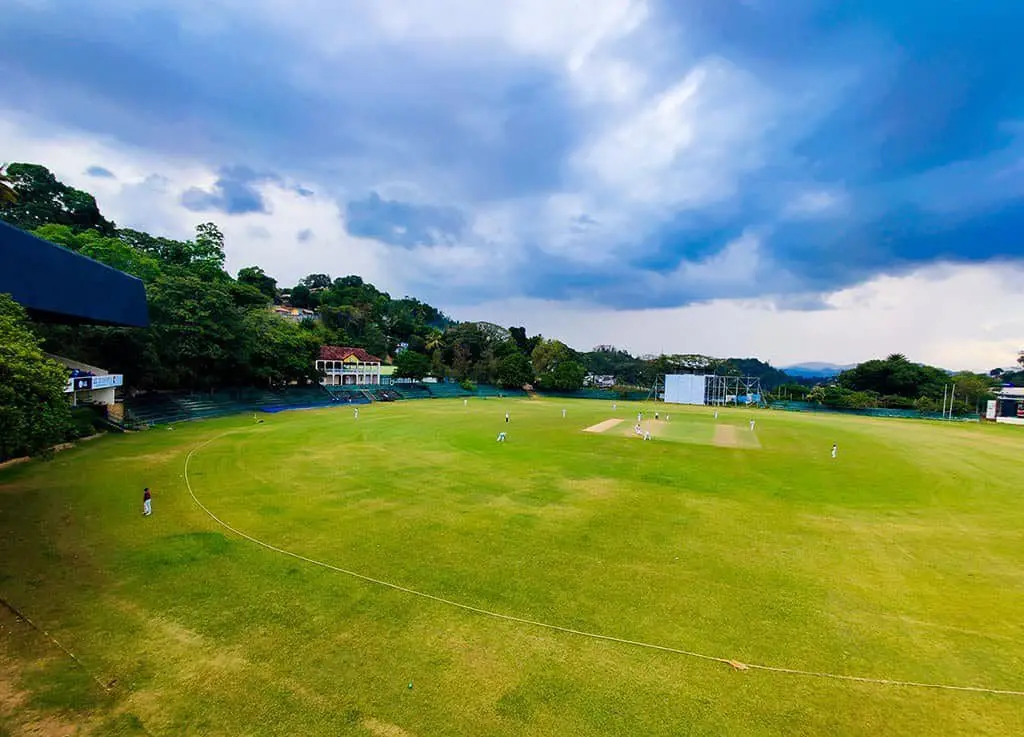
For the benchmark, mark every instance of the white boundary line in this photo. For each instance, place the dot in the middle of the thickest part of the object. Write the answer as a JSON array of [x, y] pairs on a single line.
[[568, 630]]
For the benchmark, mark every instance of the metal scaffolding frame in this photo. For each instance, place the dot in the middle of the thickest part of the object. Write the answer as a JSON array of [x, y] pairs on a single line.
[[735, 390], [721, 390]]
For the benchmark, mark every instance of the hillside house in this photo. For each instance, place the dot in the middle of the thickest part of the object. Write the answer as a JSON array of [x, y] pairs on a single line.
[[343, 366]]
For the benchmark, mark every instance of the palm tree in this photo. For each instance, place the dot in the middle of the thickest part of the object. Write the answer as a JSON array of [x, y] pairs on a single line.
[[435, 340], [7, 194]]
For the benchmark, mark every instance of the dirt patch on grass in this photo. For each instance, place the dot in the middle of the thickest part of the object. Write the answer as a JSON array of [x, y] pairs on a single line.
[[16, 718], [727, 436], [603, 426], [11, 697], [160, 457], [383, 729]]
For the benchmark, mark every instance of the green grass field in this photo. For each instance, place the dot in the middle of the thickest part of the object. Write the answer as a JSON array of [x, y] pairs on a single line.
[[902, 559]]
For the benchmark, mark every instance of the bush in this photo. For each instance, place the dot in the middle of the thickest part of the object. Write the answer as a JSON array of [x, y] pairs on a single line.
[[468, 385]]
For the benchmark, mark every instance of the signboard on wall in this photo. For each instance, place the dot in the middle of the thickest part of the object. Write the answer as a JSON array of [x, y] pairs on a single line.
[[990, 409], [107, 381], [91, 383]]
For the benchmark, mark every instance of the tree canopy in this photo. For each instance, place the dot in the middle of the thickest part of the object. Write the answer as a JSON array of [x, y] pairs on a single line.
[[33, 411]]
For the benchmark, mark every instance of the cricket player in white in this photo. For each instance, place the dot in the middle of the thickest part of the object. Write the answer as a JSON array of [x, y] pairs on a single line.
[[563, 414], [751, 425], [356, 413], [835, 450], [501, 437]]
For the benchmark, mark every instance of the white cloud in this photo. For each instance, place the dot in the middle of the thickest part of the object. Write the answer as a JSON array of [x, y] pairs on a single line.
[[146, 195], [933, 315], [815, 203], [735, 266], [686, 147]]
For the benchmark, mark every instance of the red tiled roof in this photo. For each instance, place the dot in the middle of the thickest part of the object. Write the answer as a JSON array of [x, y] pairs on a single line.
[[340, 353]]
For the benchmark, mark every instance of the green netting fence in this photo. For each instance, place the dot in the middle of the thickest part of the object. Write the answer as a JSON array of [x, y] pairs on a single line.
[[911, 414]]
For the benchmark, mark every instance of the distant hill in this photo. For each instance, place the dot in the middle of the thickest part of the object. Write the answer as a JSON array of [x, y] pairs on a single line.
[[815, 370]]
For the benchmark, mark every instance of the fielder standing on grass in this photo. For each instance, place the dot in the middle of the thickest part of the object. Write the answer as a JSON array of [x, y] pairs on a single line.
[[835, 449], [506, 418], [147, 502]]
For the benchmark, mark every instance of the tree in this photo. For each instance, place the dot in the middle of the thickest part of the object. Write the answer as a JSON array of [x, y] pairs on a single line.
[[973, 388], [895, 376], [515, 371], [247, 296], [525, 345], [567, 376], [197, 331], [277, 351], [434, 340], [42, 199], [34, 413], [556, 367], [412, 365], [316, 281], [108, 250], [300, 296], [7, 194], [1020, 359], [165, 250], [255, 277], [547, 355]]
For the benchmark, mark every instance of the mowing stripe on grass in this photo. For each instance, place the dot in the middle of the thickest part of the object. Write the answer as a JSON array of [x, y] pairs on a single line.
[[735, 664]]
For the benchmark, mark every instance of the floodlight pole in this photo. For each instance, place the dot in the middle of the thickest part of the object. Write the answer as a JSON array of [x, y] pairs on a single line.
[[952, 396], [945, 388]]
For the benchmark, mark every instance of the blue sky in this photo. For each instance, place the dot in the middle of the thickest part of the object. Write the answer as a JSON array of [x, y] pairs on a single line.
[[578, 158]]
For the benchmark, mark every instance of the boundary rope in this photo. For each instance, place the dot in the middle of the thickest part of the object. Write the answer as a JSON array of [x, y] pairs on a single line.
[[107, 688], [737, 665]]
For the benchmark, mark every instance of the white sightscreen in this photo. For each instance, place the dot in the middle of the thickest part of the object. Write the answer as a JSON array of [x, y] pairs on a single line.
[[684, 389]]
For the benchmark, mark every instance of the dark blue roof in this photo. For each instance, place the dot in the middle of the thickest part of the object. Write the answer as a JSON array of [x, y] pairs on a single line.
[[56, 284]]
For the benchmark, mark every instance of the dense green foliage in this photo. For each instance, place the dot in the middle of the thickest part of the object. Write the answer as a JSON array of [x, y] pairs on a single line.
[[41, 199], [34, 413], [895, 382], [412, 365]]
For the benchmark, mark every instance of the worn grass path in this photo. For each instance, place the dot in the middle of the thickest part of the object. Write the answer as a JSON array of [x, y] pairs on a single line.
[[903, 559]]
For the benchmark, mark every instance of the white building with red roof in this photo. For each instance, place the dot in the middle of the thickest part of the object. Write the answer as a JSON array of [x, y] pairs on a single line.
[[340, 365]]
